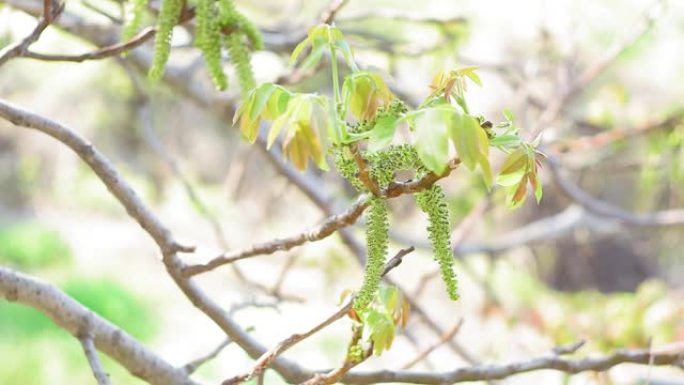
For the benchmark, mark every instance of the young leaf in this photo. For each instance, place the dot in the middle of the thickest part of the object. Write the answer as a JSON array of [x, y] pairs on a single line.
[[483, 142], [431, 139], [534, 181], [389, 297], [506, 141], [464, 132], [364, 93], [518, 196], [513, 168], [379, 327], [267, 101], [261, 96], [303, 121], [321, 38], [508, 115], [382, 133]]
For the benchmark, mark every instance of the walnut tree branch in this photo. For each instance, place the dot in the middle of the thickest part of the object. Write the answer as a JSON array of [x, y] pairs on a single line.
[[263, 362], [91, 354], [73, 317], [50, 12], [671, 357], [101, 53], [328, 227]]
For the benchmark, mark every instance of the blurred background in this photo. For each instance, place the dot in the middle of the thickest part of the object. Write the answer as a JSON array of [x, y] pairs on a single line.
[[602, 79]]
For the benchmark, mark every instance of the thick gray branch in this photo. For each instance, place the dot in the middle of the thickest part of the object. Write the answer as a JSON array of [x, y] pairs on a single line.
[[73, 317]]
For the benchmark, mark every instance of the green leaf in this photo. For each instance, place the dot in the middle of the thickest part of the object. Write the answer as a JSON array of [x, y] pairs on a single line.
[[382, 133], [389, 297], [506, 141], [379, 328], [314, 57], [514, 168], [431, 139], [347, 54], [364, 93], [472, 75], [536, 185], [276, 127], [277, 103], [483, 142], [508, 115], [464, 134], [298, 50], [321, 38], [260, 96]]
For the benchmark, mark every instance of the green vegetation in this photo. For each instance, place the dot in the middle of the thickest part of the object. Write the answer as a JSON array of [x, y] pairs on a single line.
[[30, 246]]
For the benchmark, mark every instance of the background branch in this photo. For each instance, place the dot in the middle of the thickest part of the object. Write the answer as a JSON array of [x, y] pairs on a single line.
[[73, 317]]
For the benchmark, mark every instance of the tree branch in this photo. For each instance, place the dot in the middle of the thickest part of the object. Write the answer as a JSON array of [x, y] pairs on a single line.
[[497, 372], [101, 376], [102, 53], [50, 12], [446, 337], [667, 218], [193, 365], [104, 170], [328, 227], [73, 317], [265, 360]]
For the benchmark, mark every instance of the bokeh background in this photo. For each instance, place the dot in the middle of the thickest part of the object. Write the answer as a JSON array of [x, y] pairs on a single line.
[[531, 279]]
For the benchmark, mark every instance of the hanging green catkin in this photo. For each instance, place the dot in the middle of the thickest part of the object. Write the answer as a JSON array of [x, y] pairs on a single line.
[[432, 202], [377, 240], [251, 31], [239, 55], [134, 12], [383, 164], [347, 167], [168, 18], [231, 18], [208, 39]]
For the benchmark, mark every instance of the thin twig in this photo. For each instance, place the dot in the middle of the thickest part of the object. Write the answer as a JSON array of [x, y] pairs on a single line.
[[193, 365], [666, 218], [449, 334], [283, 273], [265, 360], [446, 337], [101, 376], [328, 227], [556, 105], [333, 376], [568, 349], [50, 12], [102, 53], [328, 15]]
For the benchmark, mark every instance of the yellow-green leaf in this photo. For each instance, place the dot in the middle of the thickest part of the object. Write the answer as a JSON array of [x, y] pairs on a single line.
[[431, 139], [259, 97], [464, 132], [382, 133], [364, 93], [513, 168], [379, 327]]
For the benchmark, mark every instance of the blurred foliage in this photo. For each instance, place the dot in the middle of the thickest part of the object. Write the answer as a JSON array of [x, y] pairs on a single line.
[[56, 359], [115, 303], [651, 315], [30, 245], [48, 355]]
